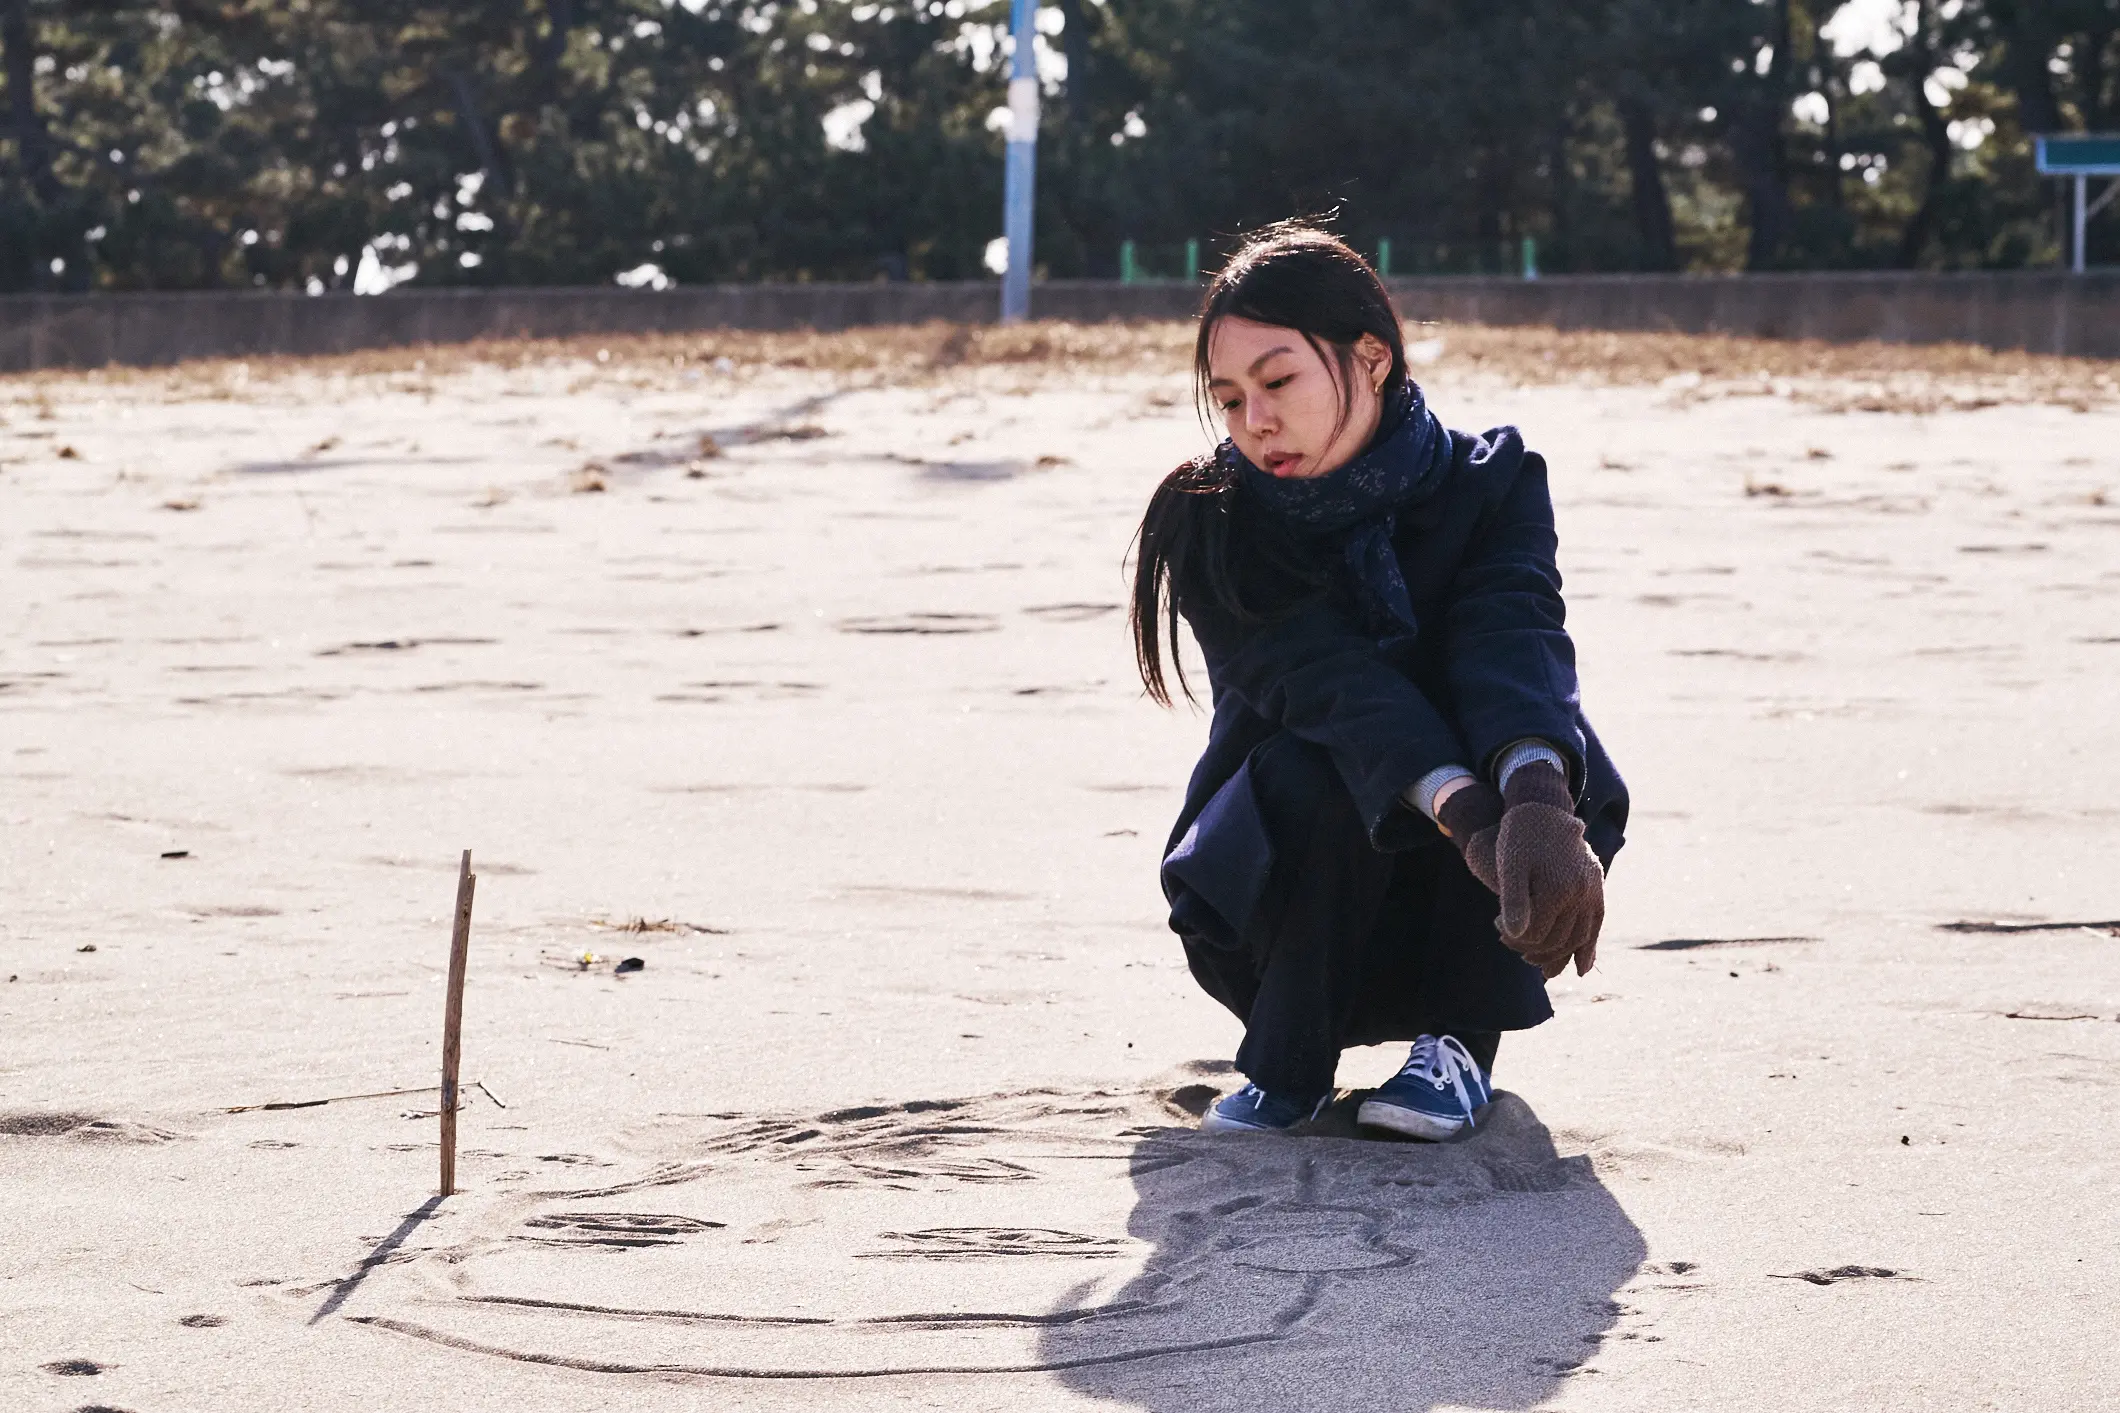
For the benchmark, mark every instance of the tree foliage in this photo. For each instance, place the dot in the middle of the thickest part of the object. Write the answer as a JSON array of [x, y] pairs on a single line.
[[323, 144]]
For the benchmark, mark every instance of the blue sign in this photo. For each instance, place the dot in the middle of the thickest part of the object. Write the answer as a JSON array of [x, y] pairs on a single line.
[[2080, 155]]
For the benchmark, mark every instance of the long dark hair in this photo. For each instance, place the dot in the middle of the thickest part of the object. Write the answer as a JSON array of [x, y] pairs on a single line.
[[1291, 275]]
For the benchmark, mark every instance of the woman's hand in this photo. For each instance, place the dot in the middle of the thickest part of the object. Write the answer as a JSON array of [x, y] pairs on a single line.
[[1471, 816], [1551, 887]]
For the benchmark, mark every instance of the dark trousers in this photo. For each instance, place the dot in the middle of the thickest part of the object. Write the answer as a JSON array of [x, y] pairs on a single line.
[[1350, 946]]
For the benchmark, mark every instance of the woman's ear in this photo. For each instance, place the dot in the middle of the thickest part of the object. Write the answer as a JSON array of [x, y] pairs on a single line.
[[1376, 360]]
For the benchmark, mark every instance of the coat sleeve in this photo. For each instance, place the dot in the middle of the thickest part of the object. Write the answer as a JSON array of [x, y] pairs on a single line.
[[1315, 674], [1507, 654]]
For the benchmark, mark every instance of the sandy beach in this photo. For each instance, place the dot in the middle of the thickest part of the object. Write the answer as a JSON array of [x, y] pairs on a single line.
[[797, 670]]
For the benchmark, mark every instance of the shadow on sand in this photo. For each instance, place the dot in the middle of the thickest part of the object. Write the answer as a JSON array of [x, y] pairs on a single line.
[[1329, 1271]]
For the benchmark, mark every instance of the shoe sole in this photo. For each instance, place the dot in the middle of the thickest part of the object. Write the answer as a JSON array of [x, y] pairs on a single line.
[[1410, 1122], [1212, 1122]]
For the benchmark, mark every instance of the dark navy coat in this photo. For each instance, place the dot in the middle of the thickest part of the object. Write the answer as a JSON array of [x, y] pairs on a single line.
[[1489, 664]]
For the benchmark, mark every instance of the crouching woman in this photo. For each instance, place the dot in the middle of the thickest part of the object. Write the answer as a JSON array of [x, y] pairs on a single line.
[[1400, 827]]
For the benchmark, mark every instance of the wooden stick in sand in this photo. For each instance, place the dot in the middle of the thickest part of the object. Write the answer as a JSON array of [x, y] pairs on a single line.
[[453, 1019]]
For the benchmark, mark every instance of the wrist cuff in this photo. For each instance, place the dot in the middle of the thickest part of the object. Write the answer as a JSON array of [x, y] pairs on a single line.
[[1523, 753], [1420, 795]]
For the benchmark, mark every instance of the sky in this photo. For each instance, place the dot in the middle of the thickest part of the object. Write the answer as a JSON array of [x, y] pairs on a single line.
[[1876, 25]]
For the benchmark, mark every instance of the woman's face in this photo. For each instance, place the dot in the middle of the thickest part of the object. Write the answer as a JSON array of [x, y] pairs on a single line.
[[1282, 402]]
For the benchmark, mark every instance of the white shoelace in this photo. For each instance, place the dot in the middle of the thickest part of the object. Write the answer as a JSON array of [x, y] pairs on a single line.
[[1444, 1063]]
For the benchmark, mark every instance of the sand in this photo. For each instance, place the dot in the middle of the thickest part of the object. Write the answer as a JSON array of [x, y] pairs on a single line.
[[831, 723]]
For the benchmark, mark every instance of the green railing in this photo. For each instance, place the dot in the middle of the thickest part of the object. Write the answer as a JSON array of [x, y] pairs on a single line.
[[1437, 257], [1141, 262]]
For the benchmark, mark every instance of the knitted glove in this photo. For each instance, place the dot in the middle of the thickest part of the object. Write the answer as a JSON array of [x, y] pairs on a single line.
[[1553, 892], [1472, 817]]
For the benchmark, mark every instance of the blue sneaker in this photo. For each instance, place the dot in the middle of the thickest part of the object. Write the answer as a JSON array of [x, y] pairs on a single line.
[[1252, 1110], [1433, 1096]]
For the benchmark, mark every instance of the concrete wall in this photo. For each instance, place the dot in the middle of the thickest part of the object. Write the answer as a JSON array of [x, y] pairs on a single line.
[[2045, 312], [2048, 313]]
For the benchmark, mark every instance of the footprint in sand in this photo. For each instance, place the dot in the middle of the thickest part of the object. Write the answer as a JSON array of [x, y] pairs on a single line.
[[959, 1243], [80, 1127], [1071, 612], [1689, 944], [620, 1229], [1844, 1273], [920, 624]]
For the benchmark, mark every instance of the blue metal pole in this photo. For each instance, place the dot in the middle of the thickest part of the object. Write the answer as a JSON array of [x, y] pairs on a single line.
[[2082, 191], [1022, 175]]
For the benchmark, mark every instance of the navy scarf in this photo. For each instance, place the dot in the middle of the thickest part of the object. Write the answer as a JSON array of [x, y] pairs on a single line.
[[1357, 506]]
